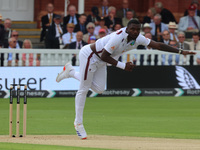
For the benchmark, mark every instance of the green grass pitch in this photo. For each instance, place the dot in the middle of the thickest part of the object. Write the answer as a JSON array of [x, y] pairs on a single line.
[[165, 117]]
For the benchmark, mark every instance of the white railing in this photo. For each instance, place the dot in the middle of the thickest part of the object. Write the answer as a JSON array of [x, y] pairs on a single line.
[[58, 57]]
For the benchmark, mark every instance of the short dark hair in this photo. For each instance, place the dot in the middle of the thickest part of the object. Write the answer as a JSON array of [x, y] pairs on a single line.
[[133, 21], [195, 34]]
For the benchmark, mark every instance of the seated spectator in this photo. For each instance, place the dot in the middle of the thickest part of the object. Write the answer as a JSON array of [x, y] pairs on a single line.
[[121, 13], [157, 28], [54, 34], [166, 15], [103, 10], [197, 11], [150, 15], [116, 27], [70, 36], [194, 45], [100, 26], [47, 20], [147, 35], [146, 28], [78, 44], [8, 31], [172, 28], [182, 44], [19, 43], [81, 26], [111, 20], [71, 18], [170, 58], [166, 39], [102, 33], [129, 16], [94, 16], [92, 39], [90, 28], [12, 45], [189, 22], [27, 44]]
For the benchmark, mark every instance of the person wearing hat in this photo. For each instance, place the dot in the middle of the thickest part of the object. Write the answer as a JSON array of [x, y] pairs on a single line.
[[102, 33], [81, 26], [100, 26], [94, 16], [70, 36], [197, 11], [54, 34], [172, 28], [146, 28], [189, 22]]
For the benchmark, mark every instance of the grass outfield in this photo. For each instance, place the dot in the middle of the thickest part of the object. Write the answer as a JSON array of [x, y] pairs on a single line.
[[17, 146], [171, 117]]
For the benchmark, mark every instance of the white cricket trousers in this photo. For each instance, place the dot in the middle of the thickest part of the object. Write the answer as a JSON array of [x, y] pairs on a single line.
[[92, 76]]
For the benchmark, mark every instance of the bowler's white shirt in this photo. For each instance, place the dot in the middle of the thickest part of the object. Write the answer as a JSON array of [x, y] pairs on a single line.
[[116, 43]]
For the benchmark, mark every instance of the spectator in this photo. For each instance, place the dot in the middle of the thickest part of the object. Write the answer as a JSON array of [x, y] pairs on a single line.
[[12, 45], [2, 32], [47, 20], [19, 43], [157, 28], [111, 20], [182, 44], [167, 16], [100, 26], [103, 10], [90, 28], [149, 36], [189, 22], [93, 39], [78, 44], [54, 34], [194, 45], [125, 7], [197, 11], [27, 44], [70, 36], [166, 40], [71, 18], [170, 57], [102, 33], [116, 27], [172, 28], [8, 31], [129, 16], [150, 15], [81, 26], [147, 28], [94, 17]]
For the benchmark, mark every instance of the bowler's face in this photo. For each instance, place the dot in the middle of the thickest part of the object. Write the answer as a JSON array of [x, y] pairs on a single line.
[[133, 30]]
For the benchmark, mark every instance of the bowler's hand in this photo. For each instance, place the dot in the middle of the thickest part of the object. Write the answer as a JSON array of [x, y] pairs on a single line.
[[188, 53], [129, 66]]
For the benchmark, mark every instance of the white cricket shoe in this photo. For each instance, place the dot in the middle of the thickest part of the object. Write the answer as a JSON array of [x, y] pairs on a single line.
[[65, 73], [80, 130]]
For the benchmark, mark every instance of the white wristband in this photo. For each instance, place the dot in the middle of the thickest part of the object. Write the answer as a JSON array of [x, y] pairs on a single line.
[[121, 65]]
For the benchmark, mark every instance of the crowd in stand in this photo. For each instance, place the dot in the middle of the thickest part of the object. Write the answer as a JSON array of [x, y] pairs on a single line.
[[76, 30]]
